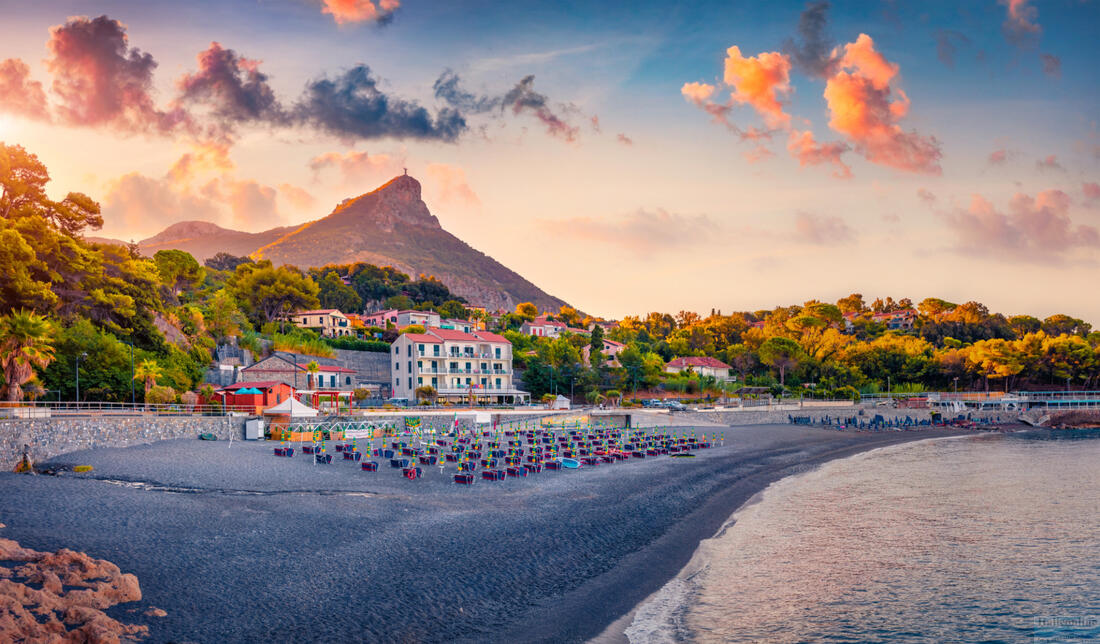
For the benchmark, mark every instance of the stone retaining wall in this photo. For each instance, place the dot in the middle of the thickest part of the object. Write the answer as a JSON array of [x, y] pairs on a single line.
[[50, 437]]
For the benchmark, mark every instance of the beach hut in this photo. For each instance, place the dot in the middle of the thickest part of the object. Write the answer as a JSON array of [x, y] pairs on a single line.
[[561, 402], [279, 416]]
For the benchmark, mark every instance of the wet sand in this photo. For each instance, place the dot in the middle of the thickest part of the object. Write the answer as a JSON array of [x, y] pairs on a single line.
[[237, 545]]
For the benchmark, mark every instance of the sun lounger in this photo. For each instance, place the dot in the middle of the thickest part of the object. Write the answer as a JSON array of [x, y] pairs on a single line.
[[552, 465], [284, 451], [517, 471], [352, 456], [412, 473], [324, 459], [399, 462], [370, 466], [533, 468], [493, 475], [428, 460], [464, 479]]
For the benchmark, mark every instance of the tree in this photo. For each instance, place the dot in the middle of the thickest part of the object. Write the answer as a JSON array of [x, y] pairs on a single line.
[[25, 344], [851, 304], [22, 285], [741, 358], [569, 315], [225, 262], [1062, 324], [147, 372], [781, 353], [615, 395], [595, 347], [454, 310], [223, 318], [425, 392], [334, 294], [527, 311], [312, 368], [594, 397], [267, 292], [160, 396], [1021, 325], [23, 180], [179, 270]]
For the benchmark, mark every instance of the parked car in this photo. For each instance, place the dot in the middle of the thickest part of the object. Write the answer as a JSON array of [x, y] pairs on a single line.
[[398, 402], [675, 405], [652, 402]]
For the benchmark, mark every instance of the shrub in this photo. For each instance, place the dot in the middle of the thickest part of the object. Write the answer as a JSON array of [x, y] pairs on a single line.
[[349, 343], [160, 395]]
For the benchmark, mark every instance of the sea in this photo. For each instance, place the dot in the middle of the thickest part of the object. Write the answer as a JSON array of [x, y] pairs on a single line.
[[986, 538]]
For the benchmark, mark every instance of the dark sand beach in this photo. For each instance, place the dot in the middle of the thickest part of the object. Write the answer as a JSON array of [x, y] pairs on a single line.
[[239, 546]]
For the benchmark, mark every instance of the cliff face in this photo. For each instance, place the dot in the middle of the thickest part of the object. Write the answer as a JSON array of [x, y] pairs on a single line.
[[390, 226]]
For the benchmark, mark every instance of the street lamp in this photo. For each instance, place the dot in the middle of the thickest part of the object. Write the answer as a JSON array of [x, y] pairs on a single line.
[[78, 357], [956, 387]]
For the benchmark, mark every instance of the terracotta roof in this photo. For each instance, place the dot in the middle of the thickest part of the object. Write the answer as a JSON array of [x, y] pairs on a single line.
[[422, 337], [612, 343], [698, 361], [488, 336], [319, 312], [453, 334]]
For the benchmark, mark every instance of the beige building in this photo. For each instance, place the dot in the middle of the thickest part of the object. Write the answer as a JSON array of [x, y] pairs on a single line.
[[331, 322], [457, 365]]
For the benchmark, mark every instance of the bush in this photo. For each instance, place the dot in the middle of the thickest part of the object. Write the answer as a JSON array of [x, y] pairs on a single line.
[[299, 343], [349, 343], [160, 395]]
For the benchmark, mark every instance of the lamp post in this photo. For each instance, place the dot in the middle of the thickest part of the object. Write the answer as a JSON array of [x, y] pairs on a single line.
[[956, 387], [78, 357]]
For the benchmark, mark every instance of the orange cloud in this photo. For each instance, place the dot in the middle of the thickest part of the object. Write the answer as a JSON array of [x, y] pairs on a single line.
[[697, 93], [864, 107], [208, 156], [1091, 190], [251, 204], [449, 182], [345, 11], [19, 94], [760, 81], [1035, 228], [299, 198], [101, 80], [808, 151], [356, 168]]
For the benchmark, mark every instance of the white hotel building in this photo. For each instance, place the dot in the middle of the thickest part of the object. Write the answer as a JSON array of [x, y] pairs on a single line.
[[457, 364]]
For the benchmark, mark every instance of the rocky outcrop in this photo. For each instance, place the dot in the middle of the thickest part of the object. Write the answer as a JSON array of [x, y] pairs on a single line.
[[61, 596]]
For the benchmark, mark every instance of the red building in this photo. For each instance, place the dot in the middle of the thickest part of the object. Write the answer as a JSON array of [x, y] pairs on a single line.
[[271, 393]]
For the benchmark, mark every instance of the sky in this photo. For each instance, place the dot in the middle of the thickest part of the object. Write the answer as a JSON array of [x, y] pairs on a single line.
[[662, 157]]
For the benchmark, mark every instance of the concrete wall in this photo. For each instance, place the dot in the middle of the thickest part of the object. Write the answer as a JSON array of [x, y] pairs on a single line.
[[50, 437]]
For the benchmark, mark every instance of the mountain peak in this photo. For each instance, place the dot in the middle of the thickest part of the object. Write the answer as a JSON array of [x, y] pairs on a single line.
[[395, 202]]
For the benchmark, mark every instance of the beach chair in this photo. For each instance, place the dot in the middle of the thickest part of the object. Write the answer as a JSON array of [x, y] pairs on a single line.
[[607, 458], [324, 459], [638, 454], [452, 458], [428, 460], [493, 475], [388, 453], [552, 465], [591, 460], [339, 447], [309, 449], [517, 471], [464, 479], [533, 468], [399, 463], [370, 466], [412, 473], [352, 456]]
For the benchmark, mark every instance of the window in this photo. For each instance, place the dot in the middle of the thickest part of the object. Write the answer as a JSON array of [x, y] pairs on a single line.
[[419, 381], [347, 381], [467, 367], [435, 350], [397, 366], [410, 383], [419, 365], [434, 381], [498, 353], [332, 381], [420, 347], [410, 366], [410, 350], [396, 349], [498, 383]]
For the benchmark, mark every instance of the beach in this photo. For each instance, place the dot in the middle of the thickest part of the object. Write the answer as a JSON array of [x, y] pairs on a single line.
[[237, 545]]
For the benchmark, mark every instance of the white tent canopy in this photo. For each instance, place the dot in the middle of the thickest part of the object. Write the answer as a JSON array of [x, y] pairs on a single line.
[[291, 407]]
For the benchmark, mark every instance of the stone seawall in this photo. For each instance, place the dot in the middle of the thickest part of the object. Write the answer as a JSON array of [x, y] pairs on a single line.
[[49, 437], [780, 415]]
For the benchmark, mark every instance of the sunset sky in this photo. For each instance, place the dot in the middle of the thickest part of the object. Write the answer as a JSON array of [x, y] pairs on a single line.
[[674, 156]]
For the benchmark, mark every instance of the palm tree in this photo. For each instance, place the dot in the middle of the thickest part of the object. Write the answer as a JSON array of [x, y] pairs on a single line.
[[148, 372], [25, 343], [312, 368]]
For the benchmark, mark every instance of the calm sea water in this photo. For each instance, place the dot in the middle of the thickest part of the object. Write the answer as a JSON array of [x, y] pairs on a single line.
[[986, 538]]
